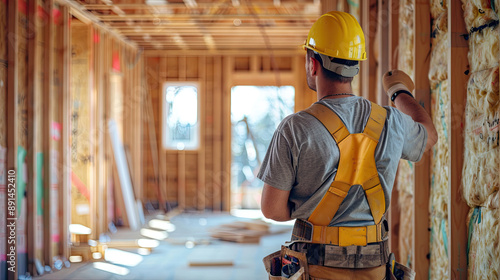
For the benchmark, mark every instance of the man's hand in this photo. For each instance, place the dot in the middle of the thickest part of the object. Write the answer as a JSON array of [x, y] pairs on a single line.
[[396, 80]]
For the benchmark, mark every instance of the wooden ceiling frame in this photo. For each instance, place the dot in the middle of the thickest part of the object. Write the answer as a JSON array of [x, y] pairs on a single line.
[[204, 24]]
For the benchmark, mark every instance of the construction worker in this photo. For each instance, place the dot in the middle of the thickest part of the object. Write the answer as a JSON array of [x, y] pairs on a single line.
[[332, 167]]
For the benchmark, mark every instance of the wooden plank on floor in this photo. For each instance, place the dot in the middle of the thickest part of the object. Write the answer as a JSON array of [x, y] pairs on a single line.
[[422, 171], [458, 209]]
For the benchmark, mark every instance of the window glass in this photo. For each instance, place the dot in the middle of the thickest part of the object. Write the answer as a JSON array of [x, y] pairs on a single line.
[[180, 116]]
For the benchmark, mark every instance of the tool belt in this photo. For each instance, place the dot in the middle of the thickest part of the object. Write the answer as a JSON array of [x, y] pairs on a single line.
[[293, 265], [325, 245]]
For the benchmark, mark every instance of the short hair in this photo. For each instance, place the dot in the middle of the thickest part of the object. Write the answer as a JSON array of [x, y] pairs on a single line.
[[332, 75]]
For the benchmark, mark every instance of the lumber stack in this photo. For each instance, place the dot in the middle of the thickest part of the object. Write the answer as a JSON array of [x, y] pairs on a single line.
[[242, 231], [480, 172]]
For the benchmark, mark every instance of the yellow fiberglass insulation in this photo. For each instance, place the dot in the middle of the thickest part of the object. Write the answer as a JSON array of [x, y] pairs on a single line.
[[483, 243], [480, 174], [438, 70]]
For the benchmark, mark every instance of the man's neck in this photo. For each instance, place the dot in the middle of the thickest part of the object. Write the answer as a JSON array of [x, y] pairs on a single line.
[[334, 90]]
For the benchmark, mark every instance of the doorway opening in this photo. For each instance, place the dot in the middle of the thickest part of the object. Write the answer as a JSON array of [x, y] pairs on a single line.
[[256, 112]]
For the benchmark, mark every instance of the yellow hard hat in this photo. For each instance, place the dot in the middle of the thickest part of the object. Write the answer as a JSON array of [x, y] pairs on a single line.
[[337, 34]]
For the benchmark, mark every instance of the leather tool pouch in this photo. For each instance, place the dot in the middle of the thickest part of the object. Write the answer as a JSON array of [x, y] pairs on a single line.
[[401, 272], [286, 264]]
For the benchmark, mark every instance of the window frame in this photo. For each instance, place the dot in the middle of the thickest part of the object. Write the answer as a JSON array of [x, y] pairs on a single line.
[[195, 145]]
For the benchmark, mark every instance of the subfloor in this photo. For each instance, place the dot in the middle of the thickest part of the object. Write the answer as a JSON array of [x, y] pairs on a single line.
[[189, 243]]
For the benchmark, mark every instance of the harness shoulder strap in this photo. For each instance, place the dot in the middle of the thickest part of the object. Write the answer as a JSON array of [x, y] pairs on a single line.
[[330, 120], [375, 122]]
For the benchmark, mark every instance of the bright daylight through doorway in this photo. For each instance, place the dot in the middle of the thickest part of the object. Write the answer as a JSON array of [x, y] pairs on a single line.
[[256, 111]]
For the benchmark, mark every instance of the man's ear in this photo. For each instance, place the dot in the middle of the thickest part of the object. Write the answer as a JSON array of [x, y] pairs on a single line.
[[313, 66]]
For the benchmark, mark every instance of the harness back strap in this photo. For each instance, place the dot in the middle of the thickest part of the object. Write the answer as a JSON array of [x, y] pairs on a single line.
[[356, 165]]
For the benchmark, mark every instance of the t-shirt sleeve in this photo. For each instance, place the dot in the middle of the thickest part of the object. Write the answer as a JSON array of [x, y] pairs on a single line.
[[277, 167], [415, 138]]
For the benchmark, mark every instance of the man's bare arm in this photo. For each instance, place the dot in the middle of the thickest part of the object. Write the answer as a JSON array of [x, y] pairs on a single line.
[[274, 203], [410, 106]]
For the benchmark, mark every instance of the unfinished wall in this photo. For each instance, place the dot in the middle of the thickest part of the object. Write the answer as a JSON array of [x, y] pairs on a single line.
[[39, 115], [440, 159], [200, 179], [481, 170]]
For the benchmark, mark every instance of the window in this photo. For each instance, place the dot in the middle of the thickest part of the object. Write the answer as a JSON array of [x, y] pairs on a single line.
[[180, 116]]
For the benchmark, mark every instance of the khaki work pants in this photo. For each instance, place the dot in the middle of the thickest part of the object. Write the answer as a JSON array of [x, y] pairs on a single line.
[[317, 272]]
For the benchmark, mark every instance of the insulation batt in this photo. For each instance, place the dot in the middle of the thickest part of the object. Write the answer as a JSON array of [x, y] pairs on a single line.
[[438, 7], [484, 250], [440, 158], [439, 192], [480, 174], [438, 70], [406, 228], [406, 31], [484, 49], [478, 12], [439, 251]]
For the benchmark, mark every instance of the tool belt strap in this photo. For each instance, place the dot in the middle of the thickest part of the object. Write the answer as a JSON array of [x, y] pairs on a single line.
[[341, 236]]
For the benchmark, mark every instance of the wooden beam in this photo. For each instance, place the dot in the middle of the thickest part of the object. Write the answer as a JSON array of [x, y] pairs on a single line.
[[181, 179], [200, 200], [457, 209], [76, 10], [101, 162], [328, 5], [12, 109], [93, 137], [199, 17], [35, 145], [422, 168], [243, 4], [213, 53], [218, 132], [162, 171], [65, 197], [383, 18], [369, 67], [48, 89], [394, 213]]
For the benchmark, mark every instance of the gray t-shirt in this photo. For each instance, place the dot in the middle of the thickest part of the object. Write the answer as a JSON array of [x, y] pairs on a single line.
[[303, 158]]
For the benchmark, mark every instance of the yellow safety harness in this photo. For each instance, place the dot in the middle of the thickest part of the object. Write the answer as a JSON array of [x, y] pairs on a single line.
[[356, 167]]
